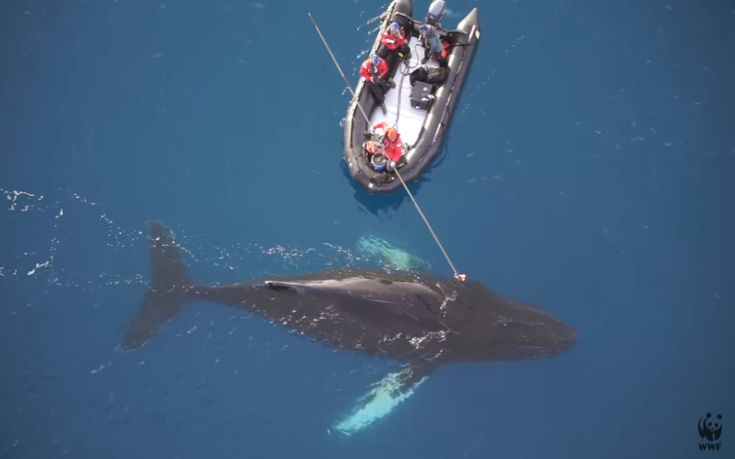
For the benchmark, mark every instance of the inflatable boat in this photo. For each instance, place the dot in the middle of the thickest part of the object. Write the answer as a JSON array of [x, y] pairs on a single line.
[[419, 109]]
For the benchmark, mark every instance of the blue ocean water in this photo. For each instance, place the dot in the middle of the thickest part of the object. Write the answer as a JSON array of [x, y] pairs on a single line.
[[587, 170]]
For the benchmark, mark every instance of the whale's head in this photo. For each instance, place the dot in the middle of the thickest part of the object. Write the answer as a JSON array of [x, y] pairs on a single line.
[[490, 327]]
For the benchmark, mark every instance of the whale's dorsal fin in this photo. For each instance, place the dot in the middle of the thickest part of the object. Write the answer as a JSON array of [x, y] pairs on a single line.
[[282, 285]]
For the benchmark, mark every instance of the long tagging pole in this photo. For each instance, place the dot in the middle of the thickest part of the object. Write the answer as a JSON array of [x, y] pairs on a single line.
[[457, 275], [339, 69]]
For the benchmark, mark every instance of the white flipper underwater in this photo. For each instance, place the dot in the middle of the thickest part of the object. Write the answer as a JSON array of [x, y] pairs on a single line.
[[385, 395], [390, 256]]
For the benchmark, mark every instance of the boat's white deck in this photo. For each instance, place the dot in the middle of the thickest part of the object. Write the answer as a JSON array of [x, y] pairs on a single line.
[[401, 114]]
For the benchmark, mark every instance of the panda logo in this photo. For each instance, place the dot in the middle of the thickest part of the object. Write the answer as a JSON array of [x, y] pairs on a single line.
[[710, 427]]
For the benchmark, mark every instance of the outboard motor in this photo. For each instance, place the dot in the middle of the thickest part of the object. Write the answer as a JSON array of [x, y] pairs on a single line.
[[436, 13]]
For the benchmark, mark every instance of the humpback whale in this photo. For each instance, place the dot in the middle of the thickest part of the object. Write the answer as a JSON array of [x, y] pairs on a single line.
[[419, 319]]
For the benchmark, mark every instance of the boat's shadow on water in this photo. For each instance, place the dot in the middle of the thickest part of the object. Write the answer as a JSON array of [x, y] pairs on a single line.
[[377, 202]]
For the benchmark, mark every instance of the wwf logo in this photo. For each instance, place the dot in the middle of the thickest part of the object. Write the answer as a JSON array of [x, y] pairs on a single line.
[[710, 429]]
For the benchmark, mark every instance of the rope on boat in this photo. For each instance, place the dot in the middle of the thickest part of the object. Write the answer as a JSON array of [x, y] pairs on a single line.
[[408, 68], [457, 275], [398, 108], [339, 69]]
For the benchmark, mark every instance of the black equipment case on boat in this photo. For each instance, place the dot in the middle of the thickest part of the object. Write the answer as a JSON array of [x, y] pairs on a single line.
[[421, 95]]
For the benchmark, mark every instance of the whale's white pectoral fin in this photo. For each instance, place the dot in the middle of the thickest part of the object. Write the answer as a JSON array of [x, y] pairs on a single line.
[[385, 395]]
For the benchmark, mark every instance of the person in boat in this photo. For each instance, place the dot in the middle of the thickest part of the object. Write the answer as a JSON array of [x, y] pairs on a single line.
[[375, 72], [372, 147], [432, 44], [391, 144], [394, 41]]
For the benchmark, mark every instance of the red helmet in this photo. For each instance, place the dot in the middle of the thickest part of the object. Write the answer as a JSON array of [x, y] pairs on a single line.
[[392, 134]]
